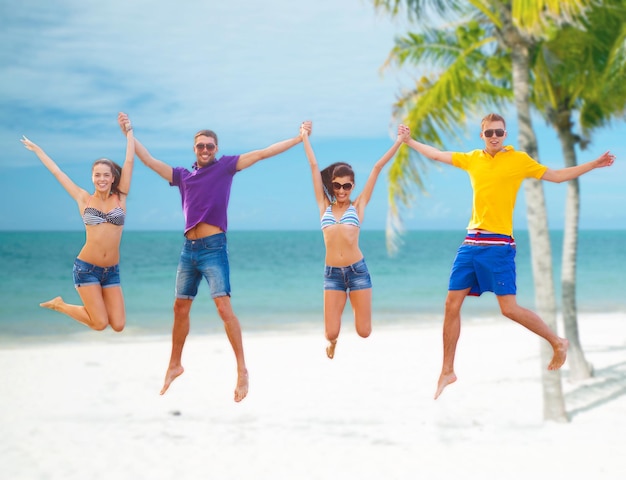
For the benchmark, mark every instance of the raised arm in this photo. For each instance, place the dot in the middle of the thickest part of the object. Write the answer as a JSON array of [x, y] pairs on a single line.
[[162, 168], [129, 160], [248, 159], [570, 173], [77, 193], [365, 195], [430, 152], [318, 186]]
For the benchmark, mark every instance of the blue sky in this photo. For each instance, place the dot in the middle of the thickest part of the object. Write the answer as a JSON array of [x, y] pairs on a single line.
[[251, 71]]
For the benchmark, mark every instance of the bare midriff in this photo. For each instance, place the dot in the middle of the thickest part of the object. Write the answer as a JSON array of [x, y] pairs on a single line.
[[202, 230], [342, 245], [102, 245]]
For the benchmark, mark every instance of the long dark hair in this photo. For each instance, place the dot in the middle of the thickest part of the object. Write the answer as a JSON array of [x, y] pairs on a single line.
[[116, 170], [338, 169]]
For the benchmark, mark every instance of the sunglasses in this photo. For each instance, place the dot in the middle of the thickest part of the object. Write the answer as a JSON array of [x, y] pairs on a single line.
[[489, 133], [209, 146], [346, 186]]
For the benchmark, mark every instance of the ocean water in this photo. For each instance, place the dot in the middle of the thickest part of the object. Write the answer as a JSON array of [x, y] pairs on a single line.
[[276, 279]]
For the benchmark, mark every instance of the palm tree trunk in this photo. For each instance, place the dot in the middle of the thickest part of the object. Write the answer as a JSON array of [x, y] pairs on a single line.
[[541, 254], [580, 368]]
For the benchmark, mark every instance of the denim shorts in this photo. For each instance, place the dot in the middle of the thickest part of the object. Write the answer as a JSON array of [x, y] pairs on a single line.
[[88, 274], [484, 268], [205, 257], [352, 277]]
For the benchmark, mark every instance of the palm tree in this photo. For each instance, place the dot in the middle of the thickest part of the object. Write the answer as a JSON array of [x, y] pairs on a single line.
[[471, 80], [504, 22], [581, 70]]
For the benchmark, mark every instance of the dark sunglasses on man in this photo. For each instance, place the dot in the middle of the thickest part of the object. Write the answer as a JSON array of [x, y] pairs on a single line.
[[209, 146], [498, 131]]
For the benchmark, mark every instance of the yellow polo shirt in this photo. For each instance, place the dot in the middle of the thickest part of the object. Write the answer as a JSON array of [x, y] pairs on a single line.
[[495, 182]]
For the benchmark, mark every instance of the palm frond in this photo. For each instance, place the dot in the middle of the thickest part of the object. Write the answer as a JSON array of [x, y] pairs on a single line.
[[535, 16], [461, 84]]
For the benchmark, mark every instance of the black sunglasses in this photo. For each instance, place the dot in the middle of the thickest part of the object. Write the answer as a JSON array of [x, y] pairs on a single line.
[[346, 186], [498, 131], [209, 146]]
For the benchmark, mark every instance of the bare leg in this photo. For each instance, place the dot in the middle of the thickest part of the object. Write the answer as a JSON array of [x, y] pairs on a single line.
[[451, 333], [116, 310], [77, 312], [233, 332], [93, 314], [334, 303], [180, 330], [532, 321], [361, 301]]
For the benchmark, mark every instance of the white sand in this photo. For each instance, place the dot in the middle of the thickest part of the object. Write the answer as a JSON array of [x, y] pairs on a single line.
[[91, 409]]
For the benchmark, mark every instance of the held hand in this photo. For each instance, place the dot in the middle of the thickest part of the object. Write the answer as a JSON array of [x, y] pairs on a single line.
[[404, 132], [306, 128], [124, 122], [604, 160]]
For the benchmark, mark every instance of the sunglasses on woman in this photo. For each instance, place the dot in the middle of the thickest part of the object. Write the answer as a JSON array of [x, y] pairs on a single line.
[[346, 186], [498, 131]]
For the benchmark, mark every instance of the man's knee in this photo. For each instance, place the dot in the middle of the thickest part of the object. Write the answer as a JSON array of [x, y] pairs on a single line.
[[182, 306], [454, 301], [508, 306], [224, 308]]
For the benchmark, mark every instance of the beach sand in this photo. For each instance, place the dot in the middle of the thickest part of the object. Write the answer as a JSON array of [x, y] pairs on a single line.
[[91, 409]]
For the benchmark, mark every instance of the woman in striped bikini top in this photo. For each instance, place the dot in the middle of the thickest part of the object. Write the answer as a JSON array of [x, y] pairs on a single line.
[[96, 268], [93, 216], [349, 217], [345, 274]]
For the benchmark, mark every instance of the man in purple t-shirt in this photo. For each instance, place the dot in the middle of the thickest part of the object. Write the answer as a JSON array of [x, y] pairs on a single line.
[[205, 191]]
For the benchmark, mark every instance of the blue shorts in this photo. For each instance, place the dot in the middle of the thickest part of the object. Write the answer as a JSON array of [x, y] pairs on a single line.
[[205, 257], [88, 274], [352, 277], [484, 268]]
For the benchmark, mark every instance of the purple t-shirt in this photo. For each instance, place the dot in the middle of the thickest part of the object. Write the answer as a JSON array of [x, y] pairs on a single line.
[[205, 191]]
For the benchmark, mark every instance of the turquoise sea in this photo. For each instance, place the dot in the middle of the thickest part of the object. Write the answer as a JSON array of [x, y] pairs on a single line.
[[276, 279]]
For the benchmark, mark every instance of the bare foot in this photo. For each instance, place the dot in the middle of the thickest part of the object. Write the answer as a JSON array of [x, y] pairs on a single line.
[[52, 304], [171, 374], [560, 354], [242, 386], [330, 349], [444, 381]]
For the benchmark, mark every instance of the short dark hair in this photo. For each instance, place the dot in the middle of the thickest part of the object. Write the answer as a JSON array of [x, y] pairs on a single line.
[[492, 117], [206, 133]]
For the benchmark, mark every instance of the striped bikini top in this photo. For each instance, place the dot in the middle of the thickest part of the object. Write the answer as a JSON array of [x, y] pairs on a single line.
[[349, 217], [93, 216]]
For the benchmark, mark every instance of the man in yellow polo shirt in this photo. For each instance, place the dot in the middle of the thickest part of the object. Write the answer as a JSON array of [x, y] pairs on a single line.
[[485, 262]]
